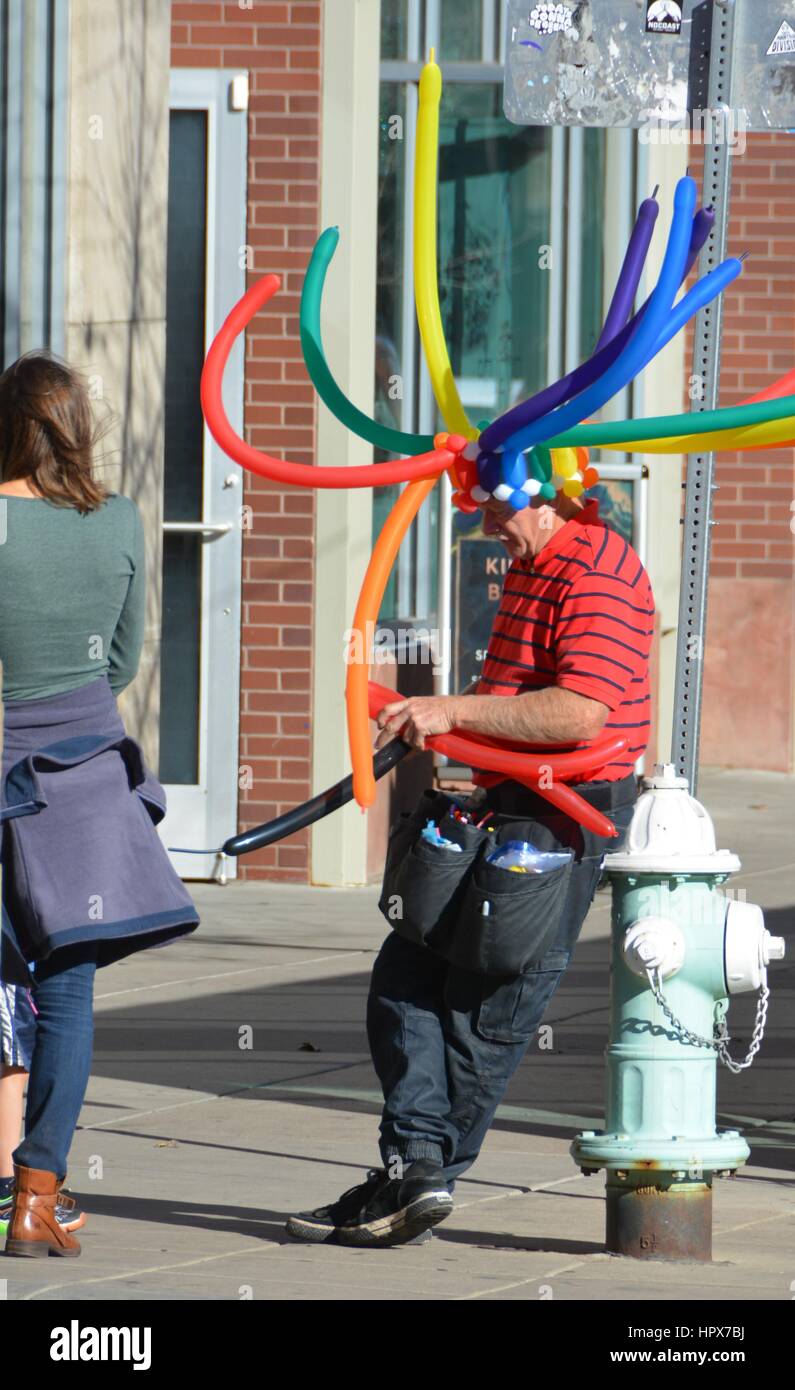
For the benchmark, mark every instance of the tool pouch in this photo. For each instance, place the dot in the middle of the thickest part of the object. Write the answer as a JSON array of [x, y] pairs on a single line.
[[507, 921], [476, 915], [424, 883]]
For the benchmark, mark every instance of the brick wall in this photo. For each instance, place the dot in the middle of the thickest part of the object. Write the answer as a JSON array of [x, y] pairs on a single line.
[[749, 665], [753, 539], [279, 44]]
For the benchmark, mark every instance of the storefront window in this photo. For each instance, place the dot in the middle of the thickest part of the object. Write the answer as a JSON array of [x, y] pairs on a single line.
[[591, 283], [34, 69], [461, 24], [394, 28], [513, 309], [493, 220]]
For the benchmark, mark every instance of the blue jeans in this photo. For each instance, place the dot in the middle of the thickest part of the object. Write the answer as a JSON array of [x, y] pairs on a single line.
[[445, 1042], [63, 993]]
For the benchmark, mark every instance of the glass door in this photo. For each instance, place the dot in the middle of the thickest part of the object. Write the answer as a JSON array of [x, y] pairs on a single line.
[[202, 510]]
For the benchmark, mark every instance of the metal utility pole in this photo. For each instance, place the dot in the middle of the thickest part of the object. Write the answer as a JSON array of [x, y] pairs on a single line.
[[697, 529]]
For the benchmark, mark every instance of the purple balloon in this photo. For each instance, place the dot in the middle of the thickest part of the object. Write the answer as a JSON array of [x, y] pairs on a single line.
[[583, 376], [631, 270]]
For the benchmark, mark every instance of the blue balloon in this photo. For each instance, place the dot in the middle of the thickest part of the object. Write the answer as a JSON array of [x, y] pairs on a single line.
[[641, 343], [570, 385], [514, 468]]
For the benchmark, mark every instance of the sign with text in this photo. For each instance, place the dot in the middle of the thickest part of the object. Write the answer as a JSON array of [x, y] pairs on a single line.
[[481, 565], [644, 63]]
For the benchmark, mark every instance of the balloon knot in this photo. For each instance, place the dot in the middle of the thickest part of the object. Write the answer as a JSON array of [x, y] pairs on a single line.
[[456, 443]]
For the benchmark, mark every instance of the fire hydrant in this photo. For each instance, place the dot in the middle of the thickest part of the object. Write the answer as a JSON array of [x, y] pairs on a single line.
[[680, 947]]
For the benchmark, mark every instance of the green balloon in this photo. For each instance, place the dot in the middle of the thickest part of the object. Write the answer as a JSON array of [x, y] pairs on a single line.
[[665, 426], [541, 462], [383, 436]]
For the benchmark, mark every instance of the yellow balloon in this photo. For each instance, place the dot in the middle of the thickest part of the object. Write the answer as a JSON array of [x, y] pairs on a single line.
[[426, 288], [565, 462], [767, 435], [572, 487]]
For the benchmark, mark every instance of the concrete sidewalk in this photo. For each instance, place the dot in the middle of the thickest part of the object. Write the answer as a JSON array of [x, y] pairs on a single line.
[[232, 1084]]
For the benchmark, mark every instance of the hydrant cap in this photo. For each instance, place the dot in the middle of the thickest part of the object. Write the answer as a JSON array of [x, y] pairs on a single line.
[[671, 832], [654, 943], [748, 947]]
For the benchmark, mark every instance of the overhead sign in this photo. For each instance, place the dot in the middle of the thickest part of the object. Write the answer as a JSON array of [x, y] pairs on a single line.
[[643, 63]]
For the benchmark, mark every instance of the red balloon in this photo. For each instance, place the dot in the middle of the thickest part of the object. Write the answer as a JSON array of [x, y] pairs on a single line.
[[565, 765], [475, 750], [785, 386], [280, 470]]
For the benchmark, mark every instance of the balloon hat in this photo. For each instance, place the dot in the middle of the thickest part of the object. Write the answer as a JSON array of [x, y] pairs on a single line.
[[536, 449]]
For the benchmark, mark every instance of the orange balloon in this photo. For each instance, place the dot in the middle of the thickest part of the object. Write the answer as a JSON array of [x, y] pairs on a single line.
[[364, 620]]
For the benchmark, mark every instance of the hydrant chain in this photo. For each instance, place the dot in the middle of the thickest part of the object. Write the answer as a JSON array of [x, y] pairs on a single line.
[[756, 1037], [721, 1040]]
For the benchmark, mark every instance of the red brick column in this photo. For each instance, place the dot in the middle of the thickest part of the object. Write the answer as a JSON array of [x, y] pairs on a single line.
[[279, 44], [749, 667]]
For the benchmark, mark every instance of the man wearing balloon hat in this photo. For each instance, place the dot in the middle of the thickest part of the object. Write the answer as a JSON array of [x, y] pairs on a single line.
[[567, 661], [485, 931]]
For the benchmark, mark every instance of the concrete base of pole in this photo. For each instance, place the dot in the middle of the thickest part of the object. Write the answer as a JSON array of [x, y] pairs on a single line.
[[652, 1217]]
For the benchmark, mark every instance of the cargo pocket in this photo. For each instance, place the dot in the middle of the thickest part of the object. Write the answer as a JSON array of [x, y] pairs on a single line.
[[507, 920], [402, 836], [423, 883], [511, 1011]]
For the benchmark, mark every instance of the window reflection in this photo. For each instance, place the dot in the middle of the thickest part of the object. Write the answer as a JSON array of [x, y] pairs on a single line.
[[493, 220]]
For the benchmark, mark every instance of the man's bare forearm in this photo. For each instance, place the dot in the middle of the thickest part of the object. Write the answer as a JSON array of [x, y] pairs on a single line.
[[552, 715]]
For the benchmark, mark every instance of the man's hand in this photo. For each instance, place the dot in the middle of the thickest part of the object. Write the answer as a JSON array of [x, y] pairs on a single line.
[[416, 719]]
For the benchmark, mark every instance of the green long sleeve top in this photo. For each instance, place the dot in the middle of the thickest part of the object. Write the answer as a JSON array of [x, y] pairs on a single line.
[[72, 592]]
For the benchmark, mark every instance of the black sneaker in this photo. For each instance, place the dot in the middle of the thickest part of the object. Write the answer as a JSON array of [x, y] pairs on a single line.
[[324, 1222], [399, 1209]]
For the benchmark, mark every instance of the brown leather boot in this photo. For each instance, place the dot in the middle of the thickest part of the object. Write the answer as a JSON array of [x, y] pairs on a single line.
[[33, 1229]]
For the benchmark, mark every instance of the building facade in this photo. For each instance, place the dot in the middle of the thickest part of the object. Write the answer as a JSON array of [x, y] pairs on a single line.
[[159, 159]]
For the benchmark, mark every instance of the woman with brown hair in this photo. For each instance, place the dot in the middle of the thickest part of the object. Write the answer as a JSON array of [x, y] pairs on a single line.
[[86, 879]]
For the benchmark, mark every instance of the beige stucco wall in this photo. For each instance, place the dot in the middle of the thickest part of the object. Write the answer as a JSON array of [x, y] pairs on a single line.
[[116, 270], [349, 199]]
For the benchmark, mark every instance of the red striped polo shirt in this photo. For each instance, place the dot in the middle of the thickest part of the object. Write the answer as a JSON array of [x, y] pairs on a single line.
[[578, 615]]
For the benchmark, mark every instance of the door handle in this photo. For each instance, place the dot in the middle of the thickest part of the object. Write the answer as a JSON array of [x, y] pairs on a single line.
[[210, 530]]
